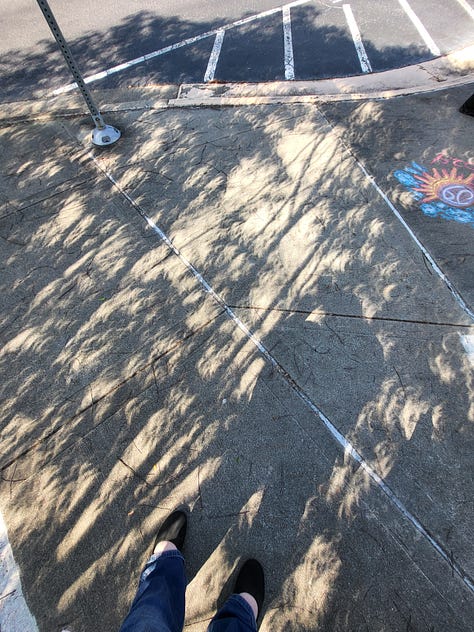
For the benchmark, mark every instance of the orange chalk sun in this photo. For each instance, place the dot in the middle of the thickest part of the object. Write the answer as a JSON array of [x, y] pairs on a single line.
[[448, 186]]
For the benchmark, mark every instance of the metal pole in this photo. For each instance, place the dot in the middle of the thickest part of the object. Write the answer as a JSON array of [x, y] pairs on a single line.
[[102, 134]]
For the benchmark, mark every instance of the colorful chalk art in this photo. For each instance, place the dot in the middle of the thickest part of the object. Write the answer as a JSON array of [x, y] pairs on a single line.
[[445, 190]]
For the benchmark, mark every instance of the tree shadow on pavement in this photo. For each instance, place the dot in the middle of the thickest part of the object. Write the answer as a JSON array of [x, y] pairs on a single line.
[[127, 390], [388, 136]]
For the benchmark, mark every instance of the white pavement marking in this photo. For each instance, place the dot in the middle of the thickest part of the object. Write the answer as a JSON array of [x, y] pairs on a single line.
[[360, 48], [420, 28], [185, 42], [467, 7], [288, 43], [337, 436], [214, 56], [14, 613], [467, 341]]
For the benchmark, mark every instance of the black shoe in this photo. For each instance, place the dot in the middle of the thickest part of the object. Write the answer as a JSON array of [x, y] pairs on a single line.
[[468, 106], [173, 529], [251, 580]]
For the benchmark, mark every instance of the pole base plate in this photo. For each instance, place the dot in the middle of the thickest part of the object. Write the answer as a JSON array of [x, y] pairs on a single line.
[[105, 136]]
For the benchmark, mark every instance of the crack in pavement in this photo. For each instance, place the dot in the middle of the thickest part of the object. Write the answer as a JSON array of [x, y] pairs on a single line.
[[389, 319], [94, 402], [65, 186]]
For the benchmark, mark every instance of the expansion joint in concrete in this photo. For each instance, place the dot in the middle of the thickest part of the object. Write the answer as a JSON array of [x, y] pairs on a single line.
[[364, 317]]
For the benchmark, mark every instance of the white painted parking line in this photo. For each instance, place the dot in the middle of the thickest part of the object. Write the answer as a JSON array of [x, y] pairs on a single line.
[[467, 7], [14, 613], [214, 56], [172, 47], [359, 46], [467, 342], [430, 43], [288, 43]]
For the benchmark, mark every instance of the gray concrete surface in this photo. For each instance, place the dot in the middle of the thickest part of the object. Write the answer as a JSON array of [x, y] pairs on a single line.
[[388, 135], [127, 389]]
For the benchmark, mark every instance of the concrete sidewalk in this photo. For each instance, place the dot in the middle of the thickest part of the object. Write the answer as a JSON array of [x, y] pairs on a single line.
[[131, 385]]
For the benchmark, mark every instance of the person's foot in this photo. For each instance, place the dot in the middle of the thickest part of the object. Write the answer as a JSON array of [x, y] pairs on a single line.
[[251, 580], [172, 530]]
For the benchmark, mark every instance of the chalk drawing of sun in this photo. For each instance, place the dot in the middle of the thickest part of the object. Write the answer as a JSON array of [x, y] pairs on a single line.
[[440, 193], [448, 186]]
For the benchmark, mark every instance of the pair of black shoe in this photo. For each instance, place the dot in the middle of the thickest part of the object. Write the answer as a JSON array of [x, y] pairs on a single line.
[[250, 578]]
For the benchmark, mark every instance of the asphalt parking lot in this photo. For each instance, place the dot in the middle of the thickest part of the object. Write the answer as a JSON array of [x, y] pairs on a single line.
[[251, 42]]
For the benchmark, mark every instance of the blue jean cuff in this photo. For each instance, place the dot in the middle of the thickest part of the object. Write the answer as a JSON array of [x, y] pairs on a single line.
[[243, 602], [155, 558], [163, 555]]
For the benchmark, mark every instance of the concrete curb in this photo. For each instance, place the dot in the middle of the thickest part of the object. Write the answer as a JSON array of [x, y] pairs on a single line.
[[454, 69], [451, 70]]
